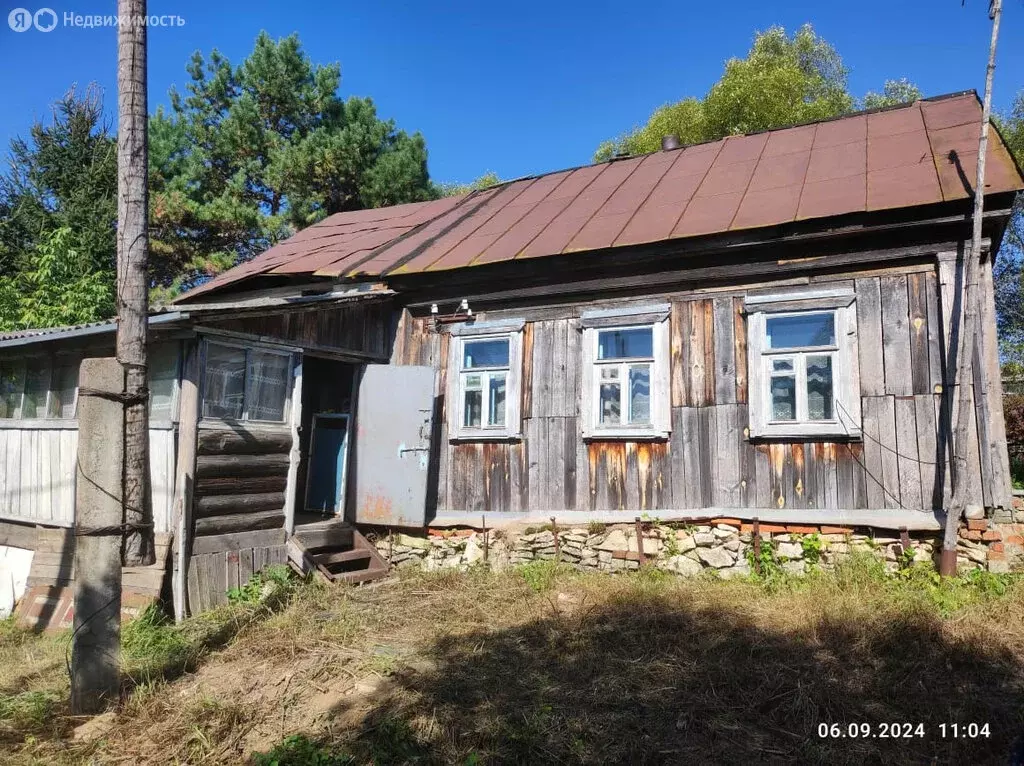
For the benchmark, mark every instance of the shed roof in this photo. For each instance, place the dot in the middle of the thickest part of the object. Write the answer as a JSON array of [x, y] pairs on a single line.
[[914, 154]]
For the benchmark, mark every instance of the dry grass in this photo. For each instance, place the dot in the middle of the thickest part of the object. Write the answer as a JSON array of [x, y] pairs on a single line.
[[545, 666]]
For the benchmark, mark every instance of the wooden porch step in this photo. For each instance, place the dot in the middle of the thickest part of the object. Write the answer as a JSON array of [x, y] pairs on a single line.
[[341, 557], [335, 551], [325, 535]]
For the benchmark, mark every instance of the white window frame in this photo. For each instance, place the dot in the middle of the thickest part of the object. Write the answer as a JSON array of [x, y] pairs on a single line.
[[512, 331], [594, 323], [17, 420], [846, 410], [248, 348]]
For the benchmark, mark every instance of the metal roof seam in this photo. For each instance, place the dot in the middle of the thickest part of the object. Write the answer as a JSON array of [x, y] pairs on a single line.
[[696, 190], [544, 198], [498, 196], [668, 168], [532, 239], [605, 202], [746, 188], [422, 247]]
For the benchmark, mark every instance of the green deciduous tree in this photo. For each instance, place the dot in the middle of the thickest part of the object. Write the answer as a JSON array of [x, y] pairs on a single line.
[[783, 80], [251, 153], [56, 286], [1008, 274]]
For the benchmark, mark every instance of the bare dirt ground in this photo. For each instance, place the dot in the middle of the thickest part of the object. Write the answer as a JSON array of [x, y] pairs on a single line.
[[548, 666]]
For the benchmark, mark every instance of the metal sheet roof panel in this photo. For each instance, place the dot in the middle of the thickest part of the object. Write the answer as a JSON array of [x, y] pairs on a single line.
[[897, 157]]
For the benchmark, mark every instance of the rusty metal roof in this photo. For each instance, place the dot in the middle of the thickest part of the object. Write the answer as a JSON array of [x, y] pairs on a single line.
[[915, 154]]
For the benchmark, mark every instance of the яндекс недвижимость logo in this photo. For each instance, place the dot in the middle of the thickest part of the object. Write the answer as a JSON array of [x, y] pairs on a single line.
[[22, 19]]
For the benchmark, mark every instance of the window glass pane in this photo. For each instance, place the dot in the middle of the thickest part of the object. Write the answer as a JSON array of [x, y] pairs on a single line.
[[801, 330], [640, 394], [472, 407], [62, 390], [625, 344], [610, 404], [783, 393], [223, 382], [782, 365], [485, 353], [496, 400], [819, 387], [12, 381], [268, 386], [37, 384], [163, 372]]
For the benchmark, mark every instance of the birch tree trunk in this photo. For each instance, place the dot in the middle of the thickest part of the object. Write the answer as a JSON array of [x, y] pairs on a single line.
[[132, 279], [969, 331]]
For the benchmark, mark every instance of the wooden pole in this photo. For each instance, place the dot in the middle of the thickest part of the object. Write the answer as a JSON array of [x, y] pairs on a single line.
[[185, 473], [95, 643], [132, 277], [969, 329]]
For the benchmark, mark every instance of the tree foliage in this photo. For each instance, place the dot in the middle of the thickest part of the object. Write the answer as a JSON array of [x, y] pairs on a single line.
[[251, 153], [1008, 274], [63, 176], [782, 81], [488, 179], [57, 287]]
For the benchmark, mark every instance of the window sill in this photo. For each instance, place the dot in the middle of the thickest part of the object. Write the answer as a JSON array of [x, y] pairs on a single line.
[[807, 431], [463, 438], [626, 434], [39, 424]]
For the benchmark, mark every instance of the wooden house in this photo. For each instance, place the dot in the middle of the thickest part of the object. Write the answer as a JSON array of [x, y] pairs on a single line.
[[761, 327]]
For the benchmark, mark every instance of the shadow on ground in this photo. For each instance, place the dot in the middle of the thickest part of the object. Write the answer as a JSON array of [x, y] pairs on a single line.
[[653, 680]]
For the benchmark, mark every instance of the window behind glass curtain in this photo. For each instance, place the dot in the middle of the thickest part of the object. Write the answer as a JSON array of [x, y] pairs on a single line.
[[63, 388], [224, 382], [267, 389]]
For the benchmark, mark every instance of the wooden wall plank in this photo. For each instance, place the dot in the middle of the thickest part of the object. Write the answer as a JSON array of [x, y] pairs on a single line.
[[740, 350], [869, 337], [920, 369], [695, 355], [890, 460], [936, 357], [896, 336], [724, 350], [727, 460], [928, 452], [872, 454], [911, 495], [679, 333]]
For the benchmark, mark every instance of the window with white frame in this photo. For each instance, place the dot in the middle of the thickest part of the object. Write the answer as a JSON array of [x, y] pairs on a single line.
[[39, 387], [246, 383], [803, 368], [485, 365], [625, 388]]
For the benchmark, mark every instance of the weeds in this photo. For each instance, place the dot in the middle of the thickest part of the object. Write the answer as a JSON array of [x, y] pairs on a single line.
[[299, 750], [276, 576], [812, 546], [539, 575]]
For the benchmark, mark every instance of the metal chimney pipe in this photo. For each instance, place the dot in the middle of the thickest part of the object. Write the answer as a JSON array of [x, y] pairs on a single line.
[[671, 141]]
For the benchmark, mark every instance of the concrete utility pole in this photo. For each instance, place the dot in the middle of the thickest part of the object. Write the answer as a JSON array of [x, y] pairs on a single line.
[[132, 276], [97, 636], [969, 328]]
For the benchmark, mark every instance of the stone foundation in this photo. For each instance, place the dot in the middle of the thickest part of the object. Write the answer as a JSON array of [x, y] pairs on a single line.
[[722, 545]]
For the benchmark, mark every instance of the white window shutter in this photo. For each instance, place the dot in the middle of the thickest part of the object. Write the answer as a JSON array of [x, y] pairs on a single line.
[[587, 402], [662, 393], [513, 397], [756, 395]]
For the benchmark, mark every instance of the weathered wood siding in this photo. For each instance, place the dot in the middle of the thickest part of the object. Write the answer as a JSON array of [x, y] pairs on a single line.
[[363, 326], [212, 575], [37, 473], [901, 461]]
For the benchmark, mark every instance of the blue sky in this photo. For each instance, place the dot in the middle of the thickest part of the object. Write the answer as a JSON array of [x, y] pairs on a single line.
[[517, 88]]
